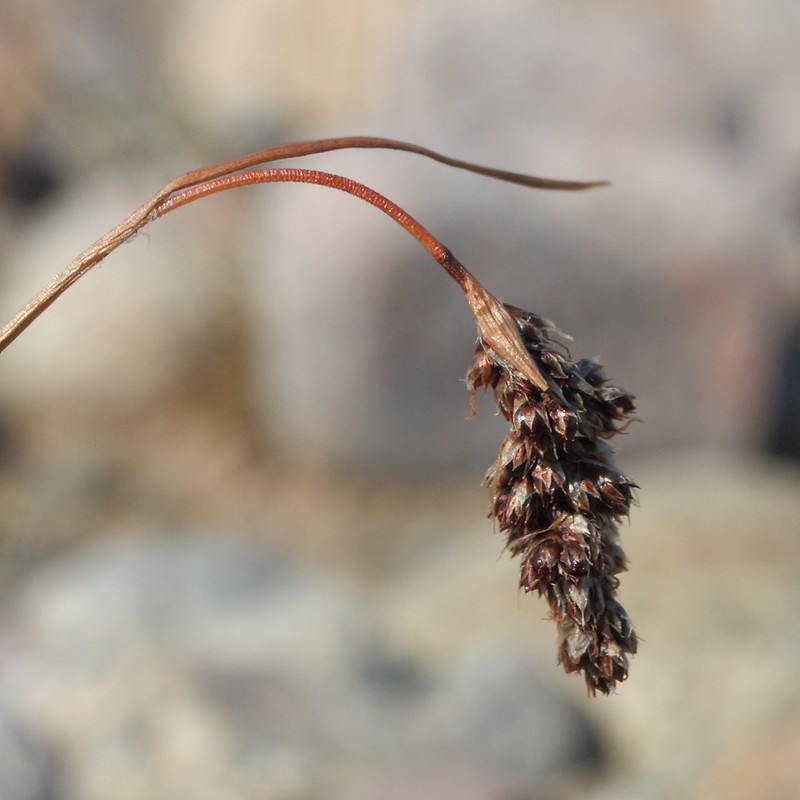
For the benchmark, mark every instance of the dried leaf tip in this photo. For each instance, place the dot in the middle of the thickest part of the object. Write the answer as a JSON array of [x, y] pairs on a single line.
[[557, 496]]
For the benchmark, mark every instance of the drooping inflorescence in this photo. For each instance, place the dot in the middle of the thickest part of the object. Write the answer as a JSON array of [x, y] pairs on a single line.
[[558, 498], [555, 492]]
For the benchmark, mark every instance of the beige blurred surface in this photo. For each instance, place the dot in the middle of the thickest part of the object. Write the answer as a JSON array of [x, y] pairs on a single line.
[[156, 397]]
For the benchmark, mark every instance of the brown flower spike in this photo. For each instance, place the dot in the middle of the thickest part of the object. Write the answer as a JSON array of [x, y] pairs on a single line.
[[556, 495]]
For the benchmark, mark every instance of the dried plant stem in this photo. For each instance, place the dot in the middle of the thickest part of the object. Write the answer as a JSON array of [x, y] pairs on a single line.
[[436, 249], [497, 329]]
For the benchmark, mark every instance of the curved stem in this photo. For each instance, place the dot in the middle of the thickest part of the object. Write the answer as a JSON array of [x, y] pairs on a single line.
[[316, 146], [497, 329], [158, 205], [435, 248]]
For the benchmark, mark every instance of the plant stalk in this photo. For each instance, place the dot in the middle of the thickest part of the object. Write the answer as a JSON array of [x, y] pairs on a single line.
[[497, 329]]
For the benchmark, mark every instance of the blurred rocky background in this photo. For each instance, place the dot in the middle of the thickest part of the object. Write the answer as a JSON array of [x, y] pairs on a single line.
[[243, 544]]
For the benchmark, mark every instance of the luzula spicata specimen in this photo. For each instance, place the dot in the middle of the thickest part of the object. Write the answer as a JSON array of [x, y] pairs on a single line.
[[555, 493]]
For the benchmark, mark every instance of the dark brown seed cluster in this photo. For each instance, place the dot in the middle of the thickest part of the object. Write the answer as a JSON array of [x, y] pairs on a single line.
[[558, 498]]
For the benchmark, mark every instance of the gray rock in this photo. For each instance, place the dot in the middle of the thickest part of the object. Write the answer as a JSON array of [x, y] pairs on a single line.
[[507, 716], [213, 663], [28, 767], [202, 598]]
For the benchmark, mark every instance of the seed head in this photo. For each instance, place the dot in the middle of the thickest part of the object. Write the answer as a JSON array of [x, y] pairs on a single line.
[[558, 498]]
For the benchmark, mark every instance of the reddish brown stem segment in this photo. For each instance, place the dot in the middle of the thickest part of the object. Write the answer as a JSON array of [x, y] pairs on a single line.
[[497, 329], [437, 250]]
